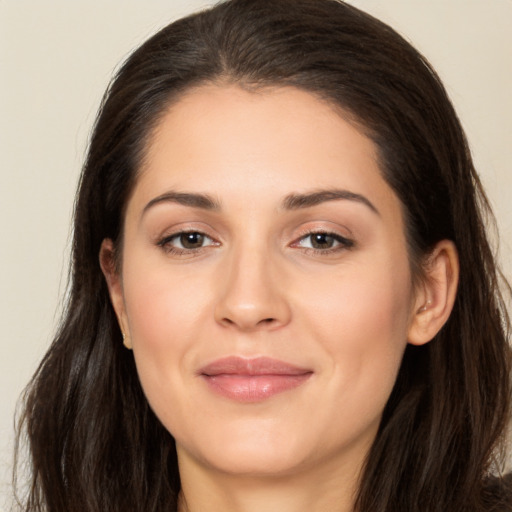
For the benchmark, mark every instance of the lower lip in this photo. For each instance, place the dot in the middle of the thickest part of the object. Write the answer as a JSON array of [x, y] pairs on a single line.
[[253, 388]]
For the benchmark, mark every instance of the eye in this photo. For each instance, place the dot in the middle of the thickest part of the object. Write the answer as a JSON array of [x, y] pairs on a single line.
[[324, 242], [191, 240], [186, 241]]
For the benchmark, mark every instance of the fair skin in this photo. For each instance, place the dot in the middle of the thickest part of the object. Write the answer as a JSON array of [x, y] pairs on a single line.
[[295, 252]]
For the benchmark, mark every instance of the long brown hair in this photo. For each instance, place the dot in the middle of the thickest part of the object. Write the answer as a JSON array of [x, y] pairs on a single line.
[[96, 445]]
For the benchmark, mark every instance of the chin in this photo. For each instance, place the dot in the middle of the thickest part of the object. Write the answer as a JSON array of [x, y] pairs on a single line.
[[261, 455], [256, 463]]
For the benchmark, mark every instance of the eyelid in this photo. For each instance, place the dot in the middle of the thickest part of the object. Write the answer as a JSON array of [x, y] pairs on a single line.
[[343, 242], [168, 230], [164, 241], [178, 234]]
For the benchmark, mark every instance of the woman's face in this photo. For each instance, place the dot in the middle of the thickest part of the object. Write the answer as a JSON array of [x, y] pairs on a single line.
[[265, 283]]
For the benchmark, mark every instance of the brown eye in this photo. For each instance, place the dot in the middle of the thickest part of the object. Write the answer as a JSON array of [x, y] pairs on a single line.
[[322, 241], [186, 241], [191, 240], [325, 242]]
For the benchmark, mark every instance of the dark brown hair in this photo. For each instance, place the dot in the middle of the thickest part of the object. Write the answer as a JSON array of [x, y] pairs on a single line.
[[95, 443]]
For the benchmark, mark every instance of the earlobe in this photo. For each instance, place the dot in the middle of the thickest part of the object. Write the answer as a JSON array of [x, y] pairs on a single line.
[[115, 288], [434, 303]]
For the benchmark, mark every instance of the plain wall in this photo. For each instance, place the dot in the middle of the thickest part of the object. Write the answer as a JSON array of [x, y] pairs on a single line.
[[56, 58]]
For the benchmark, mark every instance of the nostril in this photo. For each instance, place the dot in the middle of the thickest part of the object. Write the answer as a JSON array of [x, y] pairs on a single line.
[[264, 321]]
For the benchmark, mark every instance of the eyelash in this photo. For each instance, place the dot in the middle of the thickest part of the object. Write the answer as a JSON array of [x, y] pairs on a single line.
[[165, 243], [343, 243]]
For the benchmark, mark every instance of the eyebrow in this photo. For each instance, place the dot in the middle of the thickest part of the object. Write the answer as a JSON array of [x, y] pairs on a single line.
[[290, 202], [202, 201], [299, 201]]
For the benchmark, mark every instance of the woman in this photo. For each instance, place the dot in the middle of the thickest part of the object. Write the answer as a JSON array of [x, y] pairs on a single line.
[[280, 217]]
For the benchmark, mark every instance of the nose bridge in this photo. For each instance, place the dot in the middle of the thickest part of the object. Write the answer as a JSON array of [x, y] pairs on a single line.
[[252, 296]]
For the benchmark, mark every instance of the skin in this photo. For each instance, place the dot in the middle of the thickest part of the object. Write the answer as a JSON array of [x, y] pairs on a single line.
[[258, 286]]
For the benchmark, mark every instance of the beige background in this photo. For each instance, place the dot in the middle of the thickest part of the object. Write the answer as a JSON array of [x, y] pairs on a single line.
[[56, 58]]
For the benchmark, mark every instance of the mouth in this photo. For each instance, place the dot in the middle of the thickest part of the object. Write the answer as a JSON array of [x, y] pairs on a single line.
[[252, 380]]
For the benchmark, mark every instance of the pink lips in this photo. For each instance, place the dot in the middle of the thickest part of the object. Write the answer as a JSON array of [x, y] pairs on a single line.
[[252, 380]]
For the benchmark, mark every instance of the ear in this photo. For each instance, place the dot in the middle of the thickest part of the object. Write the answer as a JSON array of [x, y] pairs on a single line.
[[115, 287], [436, 296]]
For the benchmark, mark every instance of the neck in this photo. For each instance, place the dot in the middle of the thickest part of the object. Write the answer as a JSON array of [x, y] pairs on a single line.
[[324, 489]]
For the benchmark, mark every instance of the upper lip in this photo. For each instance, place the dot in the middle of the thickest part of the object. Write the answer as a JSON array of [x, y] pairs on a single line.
[[235, 365]]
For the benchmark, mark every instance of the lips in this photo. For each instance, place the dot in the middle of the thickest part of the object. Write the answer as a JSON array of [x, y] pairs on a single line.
[[252, 380]]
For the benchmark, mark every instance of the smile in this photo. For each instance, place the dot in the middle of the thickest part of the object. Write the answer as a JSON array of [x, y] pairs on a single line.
[[252, 380]]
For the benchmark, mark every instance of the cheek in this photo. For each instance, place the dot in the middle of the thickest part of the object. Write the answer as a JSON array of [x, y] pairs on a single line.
[[361, 318], [163, 307], [166, 315], [359, 302]]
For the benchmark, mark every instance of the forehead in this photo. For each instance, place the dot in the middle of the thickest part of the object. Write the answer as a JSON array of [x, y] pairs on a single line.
[[225, 140]]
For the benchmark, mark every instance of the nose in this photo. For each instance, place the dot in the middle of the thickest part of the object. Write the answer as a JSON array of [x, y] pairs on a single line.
[[252, 294]]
